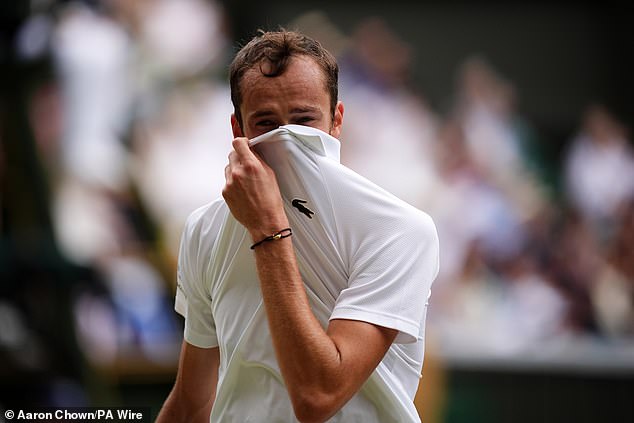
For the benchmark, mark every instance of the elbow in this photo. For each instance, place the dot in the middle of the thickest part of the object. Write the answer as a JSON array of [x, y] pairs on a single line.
[[315, 407]]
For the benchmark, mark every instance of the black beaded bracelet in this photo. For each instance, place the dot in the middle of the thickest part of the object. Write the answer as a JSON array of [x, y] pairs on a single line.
[[284, 233]]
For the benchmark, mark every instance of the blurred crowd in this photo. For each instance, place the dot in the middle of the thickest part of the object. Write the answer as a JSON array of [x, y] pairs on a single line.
[[131, 131], [524, 259]]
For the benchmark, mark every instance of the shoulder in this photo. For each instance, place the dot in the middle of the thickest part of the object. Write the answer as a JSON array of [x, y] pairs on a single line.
[[362, 202], [418, 221], [203, 224]]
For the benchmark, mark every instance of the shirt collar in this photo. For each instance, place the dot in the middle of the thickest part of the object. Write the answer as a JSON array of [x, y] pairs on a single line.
[[314, 139]]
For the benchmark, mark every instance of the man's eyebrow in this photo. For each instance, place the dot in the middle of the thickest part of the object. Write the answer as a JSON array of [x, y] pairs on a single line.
[[305, 109], [294, 110], [261, 113]]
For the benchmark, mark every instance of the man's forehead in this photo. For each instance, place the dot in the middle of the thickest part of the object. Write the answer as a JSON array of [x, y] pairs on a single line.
[[299, 66]]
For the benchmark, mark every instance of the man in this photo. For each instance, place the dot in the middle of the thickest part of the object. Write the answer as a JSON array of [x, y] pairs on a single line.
[[327, 323]]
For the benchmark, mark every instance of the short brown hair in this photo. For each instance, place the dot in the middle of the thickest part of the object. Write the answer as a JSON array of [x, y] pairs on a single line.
[[276, 48]]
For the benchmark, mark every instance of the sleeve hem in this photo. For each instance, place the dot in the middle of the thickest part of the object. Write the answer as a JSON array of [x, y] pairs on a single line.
[[180, 304], [198, 340], [408, 331]]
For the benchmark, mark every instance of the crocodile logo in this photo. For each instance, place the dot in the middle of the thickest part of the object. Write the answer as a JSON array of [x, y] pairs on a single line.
[[299, 205]]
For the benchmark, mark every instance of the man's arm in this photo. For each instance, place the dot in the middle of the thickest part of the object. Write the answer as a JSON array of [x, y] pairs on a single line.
[[322, 369], [194, 391]]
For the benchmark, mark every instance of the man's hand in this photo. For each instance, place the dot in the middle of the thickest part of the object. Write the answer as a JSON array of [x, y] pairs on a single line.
[[252, 193]]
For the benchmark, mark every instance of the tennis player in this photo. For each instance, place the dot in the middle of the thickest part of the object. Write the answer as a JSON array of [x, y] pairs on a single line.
[[305, 287]]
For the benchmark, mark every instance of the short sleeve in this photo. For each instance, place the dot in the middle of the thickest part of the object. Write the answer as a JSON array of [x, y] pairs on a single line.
[[391, 273], [193, 300]]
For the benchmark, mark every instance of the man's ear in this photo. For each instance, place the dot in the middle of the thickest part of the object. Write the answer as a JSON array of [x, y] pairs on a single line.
[[337, 120], [235, 126]]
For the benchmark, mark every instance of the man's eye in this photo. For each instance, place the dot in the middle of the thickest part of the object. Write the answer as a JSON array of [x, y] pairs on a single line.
[[265, 123], [304, 119]]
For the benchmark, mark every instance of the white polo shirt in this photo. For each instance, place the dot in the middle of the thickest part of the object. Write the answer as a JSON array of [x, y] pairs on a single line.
[[363, 254]]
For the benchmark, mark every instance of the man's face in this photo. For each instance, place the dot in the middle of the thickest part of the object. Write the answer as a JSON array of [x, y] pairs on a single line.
[[298, 96]]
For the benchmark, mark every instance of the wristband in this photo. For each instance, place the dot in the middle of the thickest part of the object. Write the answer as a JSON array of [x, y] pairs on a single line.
[[284, 233]]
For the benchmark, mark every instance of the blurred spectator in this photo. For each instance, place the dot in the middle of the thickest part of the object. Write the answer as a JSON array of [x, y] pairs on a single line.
[[179, 155], [613, 290], [93, 55], [535, 310], [496, 137], [182, 38], [573, 259], [599, 169], [467, 208], [501, 310], [485, 107], [388, 131]]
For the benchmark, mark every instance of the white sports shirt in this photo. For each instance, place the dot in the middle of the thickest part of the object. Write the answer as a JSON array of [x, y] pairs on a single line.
[[363, 254]]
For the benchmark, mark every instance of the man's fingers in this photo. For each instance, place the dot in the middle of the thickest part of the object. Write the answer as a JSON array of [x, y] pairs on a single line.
[[259, 158], [228, 173], [241, 146], [243, 156], [233, 159]]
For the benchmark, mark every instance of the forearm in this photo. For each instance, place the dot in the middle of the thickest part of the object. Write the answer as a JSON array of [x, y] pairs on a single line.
[[194, 391], [309, 359], [176, 410]]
